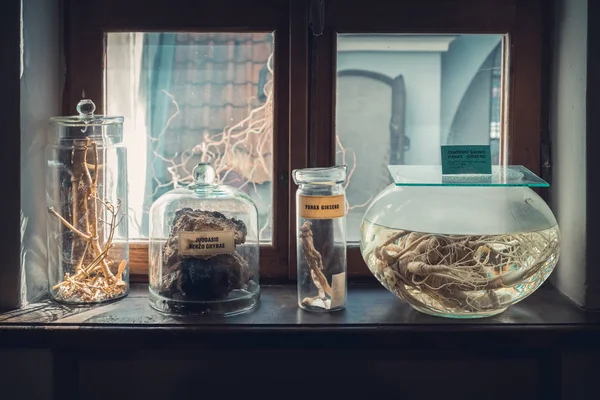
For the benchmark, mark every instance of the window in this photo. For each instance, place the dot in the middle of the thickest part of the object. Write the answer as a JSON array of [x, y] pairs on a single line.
[[313, 83], [192, 97], [189, 78], [352, 32]]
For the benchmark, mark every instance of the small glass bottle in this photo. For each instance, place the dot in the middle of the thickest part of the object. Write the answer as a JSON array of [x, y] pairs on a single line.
[[321, 238], [204, 249], [86, 195]]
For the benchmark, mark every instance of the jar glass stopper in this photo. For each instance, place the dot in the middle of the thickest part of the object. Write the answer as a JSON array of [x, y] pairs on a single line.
[[86, 108], [204, 174]]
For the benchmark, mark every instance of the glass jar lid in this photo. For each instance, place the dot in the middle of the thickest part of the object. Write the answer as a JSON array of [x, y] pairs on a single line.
[[86, 117], [320, 176], [205, 185]]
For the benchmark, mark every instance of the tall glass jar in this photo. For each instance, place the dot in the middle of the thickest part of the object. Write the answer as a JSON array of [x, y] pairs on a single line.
[[86, 195], [204, 249], [321, 238]]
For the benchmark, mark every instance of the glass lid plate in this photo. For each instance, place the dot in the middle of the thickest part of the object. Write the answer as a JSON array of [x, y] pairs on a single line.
[[431, 175]]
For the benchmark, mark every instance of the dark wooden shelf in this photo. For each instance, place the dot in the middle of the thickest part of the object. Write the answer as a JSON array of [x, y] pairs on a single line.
[[377, 343], [373, 315]]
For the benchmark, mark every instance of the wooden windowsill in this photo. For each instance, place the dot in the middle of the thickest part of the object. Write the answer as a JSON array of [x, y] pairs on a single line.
[[372, 314]]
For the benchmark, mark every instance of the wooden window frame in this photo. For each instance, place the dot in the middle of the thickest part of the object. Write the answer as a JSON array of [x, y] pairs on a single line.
[[85, 29], [520, 20], [305, 70]]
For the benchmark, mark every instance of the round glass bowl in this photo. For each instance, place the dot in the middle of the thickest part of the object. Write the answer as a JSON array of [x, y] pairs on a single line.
[[460, 247]]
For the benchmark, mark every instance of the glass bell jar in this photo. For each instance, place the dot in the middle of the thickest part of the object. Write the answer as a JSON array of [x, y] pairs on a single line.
[[86, 195], [204, 249], [463, 246]]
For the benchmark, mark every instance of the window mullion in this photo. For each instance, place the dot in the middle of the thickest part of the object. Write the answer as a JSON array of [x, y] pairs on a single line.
[[322, 94], [429, 104], [299, 114]]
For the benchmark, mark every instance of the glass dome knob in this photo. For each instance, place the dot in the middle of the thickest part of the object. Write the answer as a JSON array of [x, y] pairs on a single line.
[[86, 108], [204, 174]]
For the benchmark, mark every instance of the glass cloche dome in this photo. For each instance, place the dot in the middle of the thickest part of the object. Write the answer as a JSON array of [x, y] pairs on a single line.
[[204, 249], [460, 246]]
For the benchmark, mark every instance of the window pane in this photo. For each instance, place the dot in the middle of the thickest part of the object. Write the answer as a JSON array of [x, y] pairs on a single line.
[[401, 96], [191, 97]]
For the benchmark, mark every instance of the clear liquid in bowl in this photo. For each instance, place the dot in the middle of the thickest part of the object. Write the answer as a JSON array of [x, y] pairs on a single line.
[[462, 276]]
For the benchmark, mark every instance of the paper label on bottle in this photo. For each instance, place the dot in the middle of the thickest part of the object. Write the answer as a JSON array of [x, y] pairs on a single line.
[[206, 243], [338, 290], [321, 207]]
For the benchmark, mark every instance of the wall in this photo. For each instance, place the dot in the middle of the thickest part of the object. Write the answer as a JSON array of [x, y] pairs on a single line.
[[568, 130], [41, 85], [592, 144], [10, 272]]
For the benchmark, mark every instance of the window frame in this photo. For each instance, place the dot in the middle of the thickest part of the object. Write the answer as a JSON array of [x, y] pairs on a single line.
[[306, 78], [85, 29], [520, 20]]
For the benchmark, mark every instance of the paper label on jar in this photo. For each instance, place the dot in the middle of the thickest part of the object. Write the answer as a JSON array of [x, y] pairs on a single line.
[[322, 207], [338, 290], [206, 243]]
